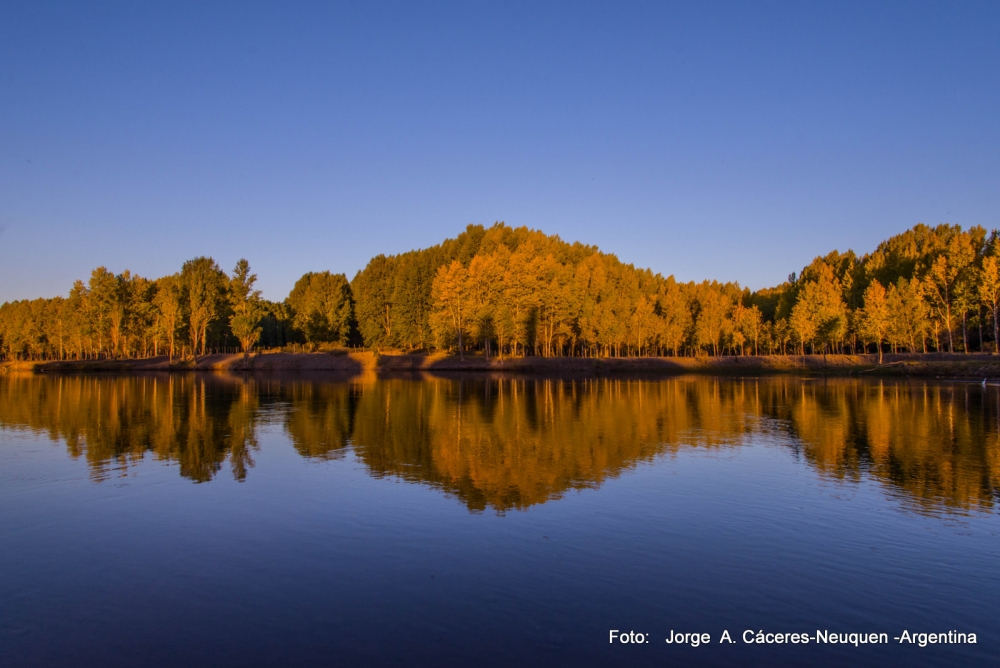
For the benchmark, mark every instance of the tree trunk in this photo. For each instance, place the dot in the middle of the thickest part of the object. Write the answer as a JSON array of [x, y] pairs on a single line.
[[980, 329], [951, 339], [965, 335], [996, 331]]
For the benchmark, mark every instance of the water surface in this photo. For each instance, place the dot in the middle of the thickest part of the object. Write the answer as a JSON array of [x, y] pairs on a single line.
[[213, 520]]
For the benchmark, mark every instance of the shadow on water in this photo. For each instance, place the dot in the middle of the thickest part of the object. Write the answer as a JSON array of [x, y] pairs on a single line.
[[505, 444]]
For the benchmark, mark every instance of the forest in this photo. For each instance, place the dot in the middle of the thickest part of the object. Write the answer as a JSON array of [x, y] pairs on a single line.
[[514, 292]]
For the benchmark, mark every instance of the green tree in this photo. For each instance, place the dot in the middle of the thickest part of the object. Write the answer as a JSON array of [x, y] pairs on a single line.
[[373, 289], [323, 307]]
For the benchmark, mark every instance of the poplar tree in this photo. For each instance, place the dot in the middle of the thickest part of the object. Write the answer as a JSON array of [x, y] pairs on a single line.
[[989, 292], [247, 310], [875, 317], [169, 302], [205, 290], [451, 297], [322, 307]]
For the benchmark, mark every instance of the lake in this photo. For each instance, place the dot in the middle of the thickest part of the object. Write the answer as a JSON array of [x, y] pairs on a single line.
[[217, 520]]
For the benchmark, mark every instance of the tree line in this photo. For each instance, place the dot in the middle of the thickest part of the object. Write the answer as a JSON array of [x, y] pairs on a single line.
[[503, 291]]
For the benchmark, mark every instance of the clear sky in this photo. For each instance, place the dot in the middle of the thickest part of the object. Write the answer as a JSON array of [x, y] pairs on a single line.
[[733, 141]]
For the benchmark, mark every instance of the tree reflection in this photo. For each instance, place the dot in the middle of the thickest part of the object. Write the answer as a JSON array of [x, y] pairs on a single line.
[[508, 444]]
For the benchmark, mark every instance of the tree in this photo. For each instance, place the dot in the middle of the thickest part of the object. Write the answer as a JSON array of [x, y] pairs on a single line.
[[205, 289], [247, 309], [411, 297], [642, 324], [169, 302], [373, 289], [485, 287], [908, 316], [555, 304], [875, 316], [674, 315], [944, 274], [521, 293], [101, 290], [451, 296], [748, 323], [989, 292], [76, 317], [322, 307], [819, 312], [712, 313]]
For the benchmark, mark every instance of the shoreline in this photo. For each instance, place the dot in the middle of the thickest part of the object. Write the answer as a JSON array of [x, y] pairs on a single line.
[[933, 365]]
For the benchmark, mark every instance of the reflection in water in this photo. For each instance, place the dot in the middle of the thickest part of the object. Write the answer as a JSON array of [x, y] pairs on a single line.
[[509, 444]]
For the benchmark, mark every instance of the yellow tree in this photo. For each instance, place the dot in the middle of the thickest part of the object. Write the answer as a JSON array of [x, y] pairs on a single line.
[[555, 302], [875, 316], [747, 325], [643, 323], [943, 277], [989, 292], [450, 294], [674, 315], [169, 303], [908, 316], [589, 282], [521, 291], [100, 302], [713, 312], [484, 290], [204, 290], [247, 309], [820, 312], [802, 323]]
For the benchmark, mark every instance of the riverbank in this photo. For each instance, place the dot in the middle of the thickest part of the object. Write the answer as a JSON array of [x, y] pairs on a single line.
[[940, 365]]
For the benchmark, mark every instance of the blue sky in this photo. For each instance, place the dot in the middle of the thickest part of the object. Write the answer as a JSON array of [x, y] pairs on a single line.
[[733, 141]]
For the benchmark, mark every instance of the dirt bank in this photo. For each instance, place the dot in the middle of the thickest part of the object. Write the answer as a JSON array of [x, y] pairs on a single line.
[[931, 365]]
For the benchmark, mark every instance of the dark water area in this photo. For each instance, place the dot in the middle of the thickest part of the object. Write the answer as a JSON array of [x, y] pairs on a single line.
[[214, 521]]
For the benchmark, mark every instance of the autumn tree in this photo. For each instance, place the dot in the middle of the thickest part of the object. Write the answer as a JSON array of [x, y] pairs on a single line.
[[908, 314], [170, 302], [875, 316], [485, 289], [205, 289], [943, 278], [712, 316], [102, 289], [451, 297], [819, 312], [988, 287], [247, 310], [747, 324]]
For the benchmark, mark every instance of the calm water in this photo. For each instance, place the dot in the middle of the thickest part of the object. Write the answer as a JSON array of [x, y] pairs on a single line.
[[202, 520]]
